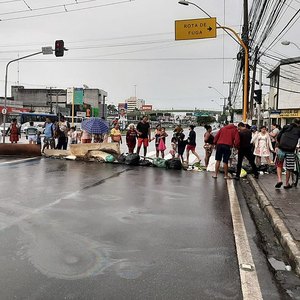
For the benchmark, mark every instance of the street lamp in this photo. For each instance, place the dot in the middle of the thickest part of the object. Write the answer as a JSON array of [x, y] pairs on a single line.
[[211, 87], [186, 3], [183, 2], [286, 43], [223, 97], [45, 50]]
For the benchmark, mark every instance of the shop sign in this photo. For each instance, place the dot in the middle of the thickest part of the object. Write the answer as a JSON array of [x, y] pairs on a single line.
[[290, 113]]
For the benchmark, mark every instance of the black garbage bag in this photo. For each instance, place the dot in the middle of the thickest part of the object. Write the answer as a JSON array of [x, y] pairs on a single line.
[[248, 169], [145, 163], [263, 168], [231, 170], [272, 169], [174, 164], [122, 158], [132, 159]]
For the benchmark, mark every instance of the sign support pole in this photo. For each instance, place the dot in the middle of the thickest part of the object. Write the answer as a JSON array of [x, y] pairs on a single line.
[[246, 71]]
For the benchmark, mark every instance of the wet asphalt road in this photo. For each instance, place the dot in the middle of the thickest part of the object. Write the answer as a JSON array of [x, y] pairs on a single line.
[[77, 230]]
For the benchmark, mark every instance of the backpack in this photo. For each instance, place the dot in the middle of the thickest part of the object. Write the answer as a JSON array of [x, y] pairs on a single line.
[[174, 164], [289, 138]]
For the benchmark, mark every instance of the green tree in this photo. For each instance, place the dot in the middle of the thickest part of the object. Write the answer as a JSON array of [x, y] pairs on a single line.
[[205, 119]]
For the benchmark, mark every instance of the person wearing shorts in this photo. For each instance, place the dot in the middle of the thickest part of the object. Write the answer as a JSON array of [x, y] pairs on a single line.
[[144, 135], [286, 152], [226, 138], [191, 144], [31, 133], [48, 135]]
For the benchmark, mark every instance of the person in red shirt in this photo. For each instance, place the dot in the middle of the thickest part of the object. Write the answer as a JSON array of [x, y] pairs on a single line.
[[227, 138], [14, 131], [131, 137]]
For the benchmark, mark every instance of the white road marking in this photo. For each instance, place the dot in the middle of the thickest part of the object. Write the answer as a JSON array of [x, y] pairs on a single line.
[[249, 281], [18, 160]]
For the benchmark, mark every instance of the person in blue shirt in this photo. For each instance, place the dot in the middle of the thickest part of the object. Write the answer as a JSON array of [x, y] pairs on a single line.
[[48, 135]]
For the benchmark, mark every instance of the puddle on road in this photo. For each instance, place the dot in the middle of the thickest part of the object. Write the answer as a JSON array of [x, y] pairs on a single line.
[[66, 255], [60, 254], [133, 215]]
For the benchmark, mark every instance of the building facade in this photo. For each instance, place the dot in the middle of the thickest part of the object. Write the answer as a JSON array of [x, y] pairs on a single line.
[[284, 96], [134, 103], [51, 100]]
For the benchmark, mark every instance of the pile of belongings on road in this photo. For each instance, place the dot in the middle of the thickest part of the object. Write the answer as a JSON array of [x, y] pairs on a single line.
[[110, 152]]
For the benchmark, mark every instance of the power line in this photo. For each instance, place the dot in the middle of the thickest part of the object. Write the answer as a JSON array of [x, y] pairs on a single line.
[[9, 1], [63, 6], [128, 59]]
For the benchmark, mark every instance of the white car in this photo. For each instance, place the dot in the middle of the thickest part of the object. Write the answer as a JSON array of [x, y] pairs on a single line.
[[39, 127]]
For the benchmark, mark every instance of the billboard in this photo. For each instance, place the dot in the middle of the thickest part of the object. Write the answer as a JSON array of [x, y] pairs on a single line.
[[76, 95], [147, 107]]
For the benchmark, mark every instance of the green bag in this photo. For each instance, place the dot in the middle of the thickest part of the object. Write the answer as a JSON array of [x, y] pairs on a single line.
[[110, 158], [159, 162]]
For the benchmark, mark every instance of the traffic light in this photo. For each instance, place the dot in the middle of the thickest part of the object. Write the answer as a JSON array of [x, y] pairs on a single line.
[[59, 48], [257, 96]]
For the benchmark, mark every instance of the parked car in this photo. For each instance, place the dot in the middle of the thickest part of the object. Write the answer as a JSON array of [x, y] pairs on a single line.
[[39, 127]]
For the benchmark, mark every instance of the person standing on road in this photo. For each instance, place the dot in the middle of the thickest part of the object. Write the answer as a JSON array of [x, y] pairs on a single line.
[[262, 146], [162, 143], [86, 137], [62, 130], [245, 150], [73, 135], [208, 143], [273, 135], [48, 135], [144, 135], [287, 140], [131, 137], [31, 133], [156, 137], [14, 131], [191, 144], [226, 138], [181, 142], [115, 134]]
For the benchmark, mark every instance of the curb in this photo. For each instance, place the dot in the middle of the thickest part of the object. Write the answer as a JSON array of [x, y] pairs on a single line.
[[279, 227]]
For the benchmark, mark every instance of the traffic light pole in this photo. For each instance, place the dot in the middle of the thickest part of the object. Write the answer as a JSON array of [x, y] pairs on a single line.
[[246, 71], [5, 95]]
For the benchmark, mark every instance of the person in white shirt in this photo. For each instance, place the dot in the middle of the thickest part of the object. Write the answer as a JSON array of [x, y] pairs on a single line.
[[31, 133]]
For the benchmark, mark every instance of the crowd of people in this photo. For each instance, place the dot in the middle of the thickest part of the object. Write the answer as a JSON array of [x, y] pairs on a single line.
[[257, 145], [141, 136], [247, 141]]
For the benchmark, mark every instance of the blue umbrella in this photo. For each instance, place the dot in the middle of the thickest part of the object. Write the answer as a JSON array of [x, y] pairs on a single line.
[[95, 126]]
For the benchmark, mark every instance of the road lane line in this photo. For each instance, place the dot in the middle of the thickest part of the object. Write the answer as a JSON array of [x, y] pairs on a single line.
[[19, 161], [249, 280]]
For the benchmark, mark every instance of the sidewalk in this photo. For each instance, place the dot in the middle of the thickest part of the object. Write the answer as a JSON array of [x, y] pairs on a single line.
[[282, 207]]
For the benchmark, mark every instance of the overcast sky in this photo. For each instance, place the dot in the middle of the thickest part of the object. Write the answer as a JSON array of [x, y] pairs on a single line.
[[117, 45]]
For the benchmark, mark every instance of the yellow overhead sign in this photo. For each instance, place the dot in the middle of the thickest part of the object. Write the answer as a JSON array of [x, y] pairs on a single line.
[[195, 29]]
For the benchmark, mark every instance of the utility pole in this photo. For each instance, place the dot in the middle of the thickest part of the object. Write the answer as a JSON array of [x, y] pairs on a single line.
[[259, 104], [245, 38], [50, 96], [231, 112], [253, 83]]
